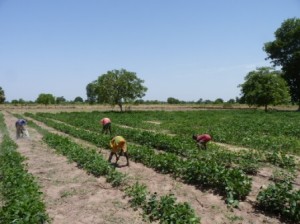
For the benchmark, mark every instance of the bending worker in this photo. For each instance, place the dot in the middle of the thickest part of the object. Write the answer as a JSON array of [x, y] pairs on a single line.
[[202, 140], [20, 127], [118, 148], [106, 125]]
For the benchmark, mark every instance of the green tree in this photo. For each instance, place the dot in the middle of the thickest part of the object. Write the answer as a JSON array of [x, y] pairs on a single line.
[[60, 99], [263, 87], [219, 101], [172, 100], [45, 98], [19, 101], [117, 87], [200, 101], [284, 51], [2, 95], [91, 92], [231, 101], [78, 99]]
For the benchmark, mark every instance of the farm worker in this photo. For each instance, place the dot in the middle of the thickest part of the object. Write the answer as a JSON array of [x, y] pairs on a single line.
[[202, 140], [20, 127], [106, 125], [118, 148]]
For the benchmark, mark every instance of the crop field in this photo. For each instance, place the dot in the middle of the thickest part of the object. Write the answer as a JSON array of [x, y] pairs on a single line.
[[248, 174]]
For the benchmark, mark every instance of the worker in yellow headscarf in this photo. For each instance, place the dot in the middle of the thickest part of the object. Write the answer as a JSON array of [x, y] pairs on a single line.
[[118, 148]]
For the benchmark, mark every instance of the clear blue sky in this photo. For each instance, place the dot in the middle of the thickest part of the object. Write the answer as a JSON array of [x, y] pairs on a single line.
[[183, 49]]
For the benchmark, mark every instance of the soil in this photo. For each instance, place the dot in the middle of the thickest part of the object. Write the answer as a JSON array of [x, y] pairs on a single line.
[[73, 196]]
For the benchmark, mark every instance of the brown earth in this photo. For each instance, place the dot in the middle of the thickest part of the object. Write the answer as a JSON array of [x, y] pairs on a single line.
[[73, 196]]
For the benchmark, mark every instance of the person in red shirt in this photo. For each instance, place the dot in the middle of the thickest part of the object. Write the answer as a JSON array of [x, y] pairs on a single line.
[[202, 140], [106, 125]]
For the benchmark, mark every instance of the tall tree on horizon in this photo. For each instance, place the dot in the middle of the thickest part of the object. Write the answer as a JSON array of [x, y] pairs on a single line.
[[116, 87], [284, 51], [263, 87], [2, 95]]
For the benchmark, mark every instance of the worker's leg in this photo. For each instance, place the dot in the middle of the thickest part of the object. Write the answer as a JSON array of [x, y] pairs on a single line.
[[17, 133], [127, 158], [22, 129], [109, 128], [199, 145], [110, 156], [117, 157]]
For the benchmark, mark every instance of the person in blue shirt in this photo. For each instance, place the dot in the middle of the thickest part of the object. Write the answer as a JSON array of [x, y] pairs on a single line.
[[20, 127]]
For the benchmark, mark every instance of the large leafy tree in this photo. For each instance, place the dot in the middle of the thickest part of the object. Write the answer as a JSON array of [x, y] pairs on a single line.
[[172, 100], [78, 99], [263, 87], [284, 51], [91, 92], [116, 87], [45, 98], [2, 95], [60, 100]]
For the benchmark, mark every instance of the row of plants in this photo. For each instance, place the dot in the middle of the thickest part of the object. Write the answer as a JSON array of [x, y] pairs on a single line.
[[282, 199], [21, 195], [85, 158], [247, 160], [232, 182], [278, 198], [165, 208], [88, 159], [254, 129]]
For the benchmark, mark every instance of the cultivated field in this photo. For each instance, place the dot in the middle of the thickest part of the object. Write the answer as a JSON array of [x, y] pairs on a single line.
[[249, 174]]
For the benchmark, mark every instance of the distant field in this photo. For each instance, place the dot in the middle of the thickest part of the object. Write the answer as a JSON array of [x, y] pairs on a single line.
[[248, 128], [86, 107]]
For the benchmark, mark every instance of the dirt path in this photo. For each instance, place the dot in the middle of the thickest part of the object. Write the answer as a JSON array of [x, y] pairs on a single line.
[[72, 196]]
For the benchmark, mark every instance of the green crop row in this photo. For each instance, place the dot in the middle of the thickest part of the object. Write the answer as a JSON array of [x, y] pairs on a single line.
[[165, 209], [231, 182], [94, 163], [254, 129], [21, 194], [247, 160], [281, 199]]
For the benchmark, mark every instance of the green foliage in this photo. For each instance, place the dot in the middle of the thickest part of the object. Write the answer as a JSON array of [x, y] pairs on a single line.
[[219, 101], [91, 92], [2, 95], [89, 160], [172, 100], [206, 173], [281, 159], [60, 100], [217, 169], [163, 209], [138, 194], [46, 99], [280, 198], [78, 99], [22, 197], [116, 87], [284, 51], [166, 211], [263, 87]]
